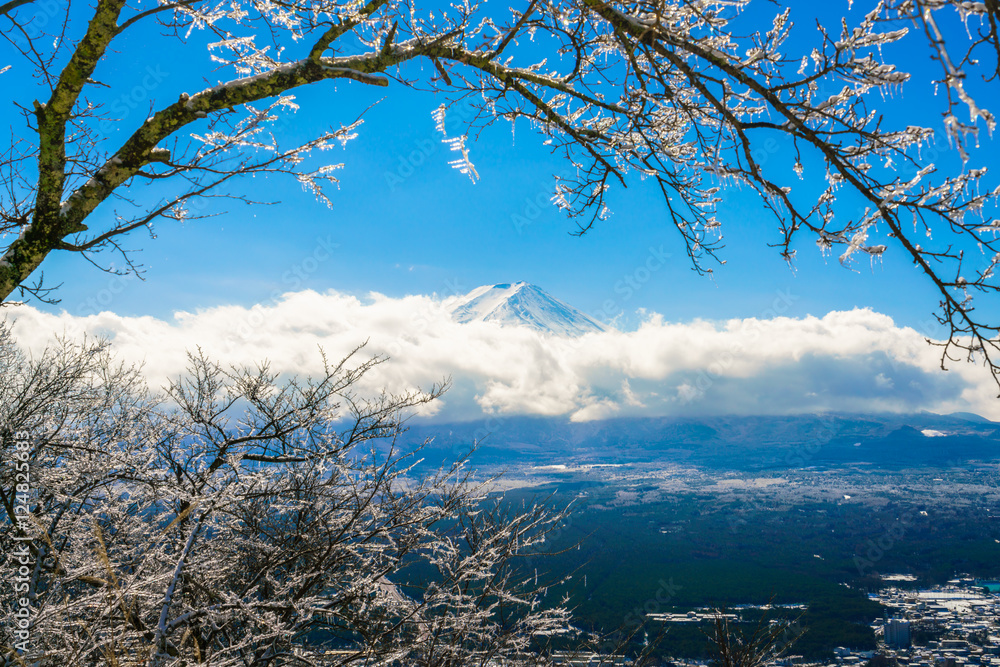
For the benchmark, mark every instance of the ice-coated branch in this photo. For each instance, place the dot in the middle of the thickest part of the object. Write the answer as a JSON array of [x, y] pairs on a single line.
[[250, 515], [668, 91]]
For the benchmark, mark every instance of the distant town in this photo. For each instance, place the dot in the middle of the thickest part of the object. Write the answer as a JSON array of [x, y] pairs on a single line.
[[944, 626]]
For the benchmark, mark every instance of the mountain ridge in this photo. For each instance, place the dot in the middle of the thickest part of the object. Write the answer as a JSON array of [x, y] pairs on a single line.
[[887, 440]]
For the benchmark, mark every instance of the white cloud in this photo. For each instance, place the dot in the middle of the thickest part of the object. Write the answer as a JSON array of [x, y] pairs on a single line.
[[882, 381], [847, 361]]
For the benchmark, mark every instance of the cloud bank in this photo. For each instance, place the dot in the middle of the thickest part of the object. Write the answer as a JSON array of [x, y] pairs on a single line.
[[857, 361]]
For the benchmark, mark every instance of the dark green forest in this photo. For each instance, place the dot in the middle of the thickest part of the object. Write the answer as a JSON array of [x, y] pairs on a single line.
[[697, 550]]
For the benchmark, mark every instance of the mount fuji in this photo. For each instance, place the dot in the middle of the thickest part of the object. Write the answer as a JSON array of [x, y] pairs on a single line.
[[521, 304]]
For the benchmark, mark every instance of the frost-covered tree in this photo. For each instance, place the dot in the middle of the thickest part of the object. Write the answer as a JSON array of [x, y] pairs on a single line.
[[762, 644], [689, 93], [245, 521]]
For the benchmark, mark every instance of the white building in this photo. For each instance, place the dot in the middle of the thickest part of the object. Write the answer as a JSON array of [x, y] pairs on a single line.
[[897, 633]]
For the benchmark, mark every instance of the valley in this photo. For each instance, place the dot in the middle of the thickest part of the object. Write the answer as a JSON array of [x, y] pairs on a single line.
[[808, 512], [823, 539]]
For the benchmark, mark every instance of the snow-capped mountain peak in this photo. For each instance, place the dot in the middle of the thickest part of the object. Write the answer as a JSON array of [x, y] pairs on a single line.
[[521, 304]]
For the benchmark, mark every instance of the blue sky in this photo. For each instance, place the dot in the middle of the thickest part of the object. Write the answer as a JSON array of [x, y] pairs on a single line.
[[403, 222], [407, 223], [436, 231]]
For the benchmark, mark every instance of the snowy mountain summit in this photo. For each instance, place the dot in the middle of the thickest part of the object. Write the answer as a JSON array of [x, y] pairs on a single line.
[[521, 304]]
